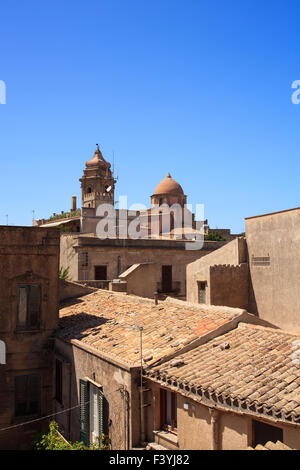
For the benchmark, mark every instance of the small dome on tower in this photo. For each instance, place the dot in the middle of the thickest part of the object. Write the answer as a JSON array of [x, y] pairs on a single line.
[[168, 186], [97, 159]]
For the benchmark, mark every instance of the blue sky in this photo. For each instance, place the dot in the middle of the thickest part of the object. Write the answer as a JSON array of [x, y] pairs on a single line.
[[200, 89]]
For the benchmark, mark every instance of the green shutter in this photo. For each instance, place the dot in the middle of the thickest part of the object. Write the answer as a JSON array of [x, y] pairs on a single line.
[[84, 412], [100, 410]]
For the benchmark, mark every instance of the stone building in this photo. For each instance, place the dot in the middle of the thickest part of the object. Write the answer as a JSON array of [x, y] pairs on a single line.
[[29, 260], [99, 244], [101, 340], [212, 377], [92, 259], [259, 272], [238, 390], [156, 258]]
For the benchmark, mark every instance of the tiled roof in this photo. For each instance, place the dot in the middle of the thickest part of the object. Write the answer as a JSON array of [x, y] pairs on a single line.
[[278, 445], [102, 320], [251, 368]]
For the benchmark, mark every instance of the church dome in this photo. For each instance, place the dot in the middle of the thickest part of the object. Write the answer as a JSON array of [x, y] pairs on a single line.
[[97, 159], [168, 186]]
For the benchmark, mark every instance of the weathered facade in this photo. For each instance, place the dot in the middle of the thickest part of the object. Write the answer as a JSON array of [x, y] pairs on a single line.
[[274, 264], [103, 340], [222, 277], [98, 349], [259, 272], [238, 390], [28, 317], [90, 258]]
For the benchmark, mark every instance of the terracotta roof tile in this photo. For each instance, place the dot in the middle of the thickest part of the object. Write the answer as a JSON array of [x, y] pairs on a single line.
[[258, 367], [103, 320]]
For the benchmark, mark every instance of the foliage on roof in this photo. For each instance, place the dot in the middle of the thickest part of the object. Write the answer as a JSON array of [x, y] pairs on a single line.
[[215, 236], [65, 215]]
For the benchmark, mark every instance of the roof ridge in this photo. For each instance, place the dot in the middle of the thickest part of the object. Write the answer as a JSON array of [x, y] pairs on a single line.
[[267, 328]]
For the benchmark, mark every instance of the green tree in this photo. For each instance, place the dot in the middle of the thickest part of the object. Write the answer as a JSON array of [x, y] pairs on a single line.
[[214, 235], [54, 440]]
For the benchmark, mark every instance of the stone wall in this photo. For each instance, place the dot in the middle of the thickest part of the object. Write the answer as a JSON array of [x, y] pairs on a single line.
[[233, 254], [68, 290], [83, 253], [28, 255], [82, 364], [229, 285], [142, 280], [195, 426], [273, 242]]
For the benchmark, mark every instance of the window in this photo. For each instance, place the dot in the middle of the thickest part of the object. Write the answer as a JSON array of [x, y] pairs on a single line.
[[29, 307], [83, 258], [91, 412], [166, 277], [202, 292], [168, 410], [27, 395], [262, 433], [58, 380]]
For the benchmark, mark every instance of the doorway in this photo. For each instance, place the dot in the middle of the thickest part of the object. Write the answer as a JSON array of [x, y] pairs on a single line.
[[166, 277], [101, 273]]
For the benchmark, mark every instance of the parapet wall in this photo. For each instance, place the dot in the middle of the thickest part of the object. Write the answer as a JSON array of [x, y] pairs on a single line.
[[232, 254], [69, 290], [229, 285]]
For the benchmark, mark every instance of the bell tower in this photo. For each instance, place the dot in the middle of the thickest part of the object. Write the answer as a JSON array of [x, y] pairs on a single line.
[[97, 182]]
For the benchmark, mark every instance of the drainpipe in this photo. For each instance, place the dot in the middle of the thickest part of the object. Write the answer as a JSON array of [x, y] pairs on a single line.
[[215, 415]]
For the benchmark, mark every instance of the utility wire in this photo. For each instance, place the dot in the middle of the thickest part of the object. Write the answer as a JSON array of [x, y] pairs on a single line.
[[131, 327], [44, 417]]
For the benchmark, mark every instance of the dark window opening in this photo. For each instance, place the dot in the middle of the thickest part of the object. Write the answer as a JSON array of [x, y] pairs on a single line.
[[27, 395], [89, 190], [29, 307], [166, 278], [168, 410], [262, 433], [58, 380], [202, 292], [100, 273]]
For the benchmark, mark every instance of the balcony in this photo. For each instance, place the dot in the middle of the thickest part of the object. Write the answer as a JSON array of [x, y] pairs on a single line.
[[175, 290]]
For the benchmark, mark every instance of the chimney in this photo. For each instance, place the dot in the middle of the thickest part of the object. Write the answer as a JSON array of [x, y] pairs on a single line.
[[73, 208]]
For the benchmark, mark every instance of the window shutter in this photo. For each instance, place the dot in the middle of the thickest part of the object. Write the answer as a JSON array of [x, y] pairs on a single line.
[[22, 306], [100, 411], [84, 412], [34, 306]]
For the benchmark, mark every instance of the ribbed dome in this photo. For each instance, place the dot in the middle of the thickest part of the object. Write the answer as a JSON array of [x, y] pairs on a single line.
[[168, 186], [97, 159]]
